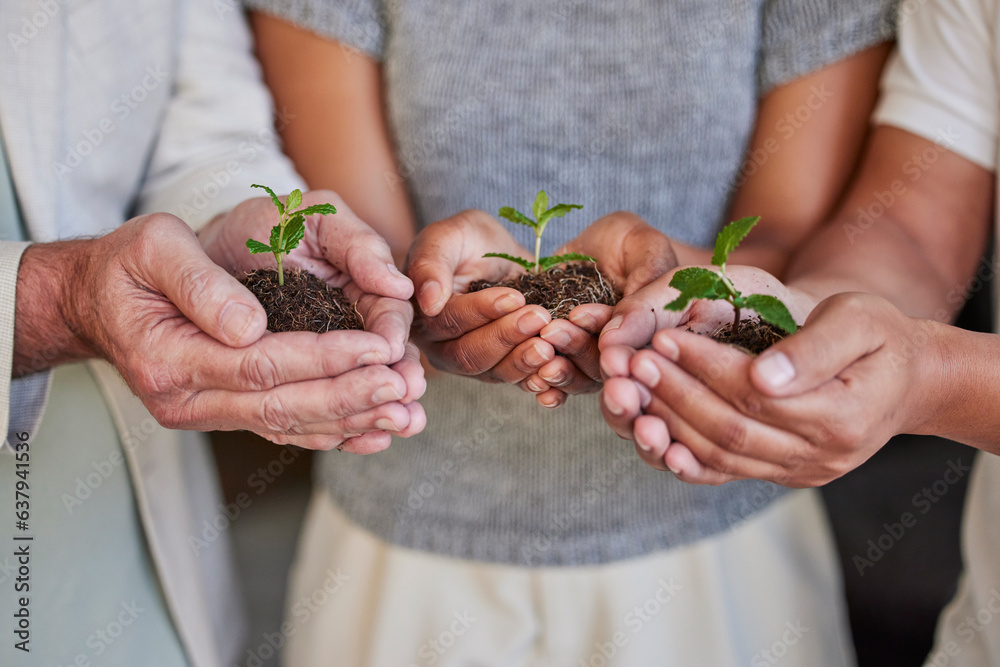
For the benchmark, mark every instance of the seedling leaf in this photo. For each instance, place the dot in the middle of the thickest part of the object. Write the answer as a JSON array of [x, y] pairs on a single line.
[[275, 232], [730, 237], [274, 197], [541, 205], [557, 211], [771, 310], [527, 264], [548, 262], [324, 209], [695, 283], [294, 231], [516, 216], [293, 201], [256, 247]]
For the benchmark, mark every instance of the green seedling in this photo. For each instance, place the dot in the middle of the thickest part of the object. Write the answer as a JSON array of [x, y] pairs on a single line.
[[543, 214], [698, 283], [291, 227]]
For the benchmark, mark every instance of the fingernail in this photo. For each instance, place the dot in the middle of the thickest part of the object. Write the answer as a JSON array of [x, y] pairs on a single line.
[[531, 322], [775, 369], [676, 472], [533, 356], [372, 358], [533, 385], [644, 397], [394, 271], [385, 424], [668, 348], [430, 295], [553, 403], [647, 372], [507, 303], [556, 379], [615, 323], [613, 407], [584, 321], [385, 394], [557, 338], [236, 319], [643, 446]]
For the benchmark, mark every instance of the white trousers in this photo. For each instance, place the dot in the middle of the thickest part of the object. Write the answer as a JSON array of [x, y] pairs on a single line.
[[766, 593], [968, 632]]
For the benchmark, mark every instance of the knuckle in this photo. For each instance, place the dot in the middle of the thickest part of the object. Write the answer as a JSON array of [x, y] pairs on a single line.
[[466, 360], [259, 370], [448, 324], [736, 436], [275, 415]]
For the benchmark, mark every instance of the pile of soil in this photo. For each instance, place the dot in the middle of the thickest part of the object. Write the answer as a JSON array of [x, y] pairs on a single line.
[[303, 303], [561, 289], [754, 335]]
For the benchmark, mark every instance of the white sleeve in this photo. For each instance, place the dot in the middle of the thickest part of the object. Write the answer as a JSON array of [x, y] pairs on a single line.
[[10, 260], [217, 135], [942, 82]]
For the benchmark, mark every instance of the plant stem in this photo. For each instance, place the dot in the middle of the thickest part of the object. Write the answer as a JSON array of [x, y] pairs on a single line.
[[277, 256], [736, 322], [281, 273], [538, 253]]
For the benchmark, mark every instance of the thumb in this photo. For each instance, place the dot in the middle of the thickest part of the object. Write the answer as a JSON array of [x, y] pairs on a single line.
[[833, 338], [201, 289], [357, 250], [431, 264], [639, 316]]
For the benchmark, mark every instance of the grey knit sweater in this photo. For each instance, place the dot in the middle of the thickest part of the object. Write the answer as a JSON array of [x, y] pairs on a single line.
[[642, 105]]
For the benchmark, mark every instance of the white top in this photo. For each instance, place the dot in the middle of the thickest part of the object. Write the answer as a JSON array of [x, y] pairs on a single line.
[[943, 85]]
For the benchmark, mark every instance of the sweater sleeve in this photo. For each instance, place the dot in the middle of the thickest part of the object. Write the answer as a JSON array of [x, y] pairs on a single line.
[[801, 36], [359, 24]]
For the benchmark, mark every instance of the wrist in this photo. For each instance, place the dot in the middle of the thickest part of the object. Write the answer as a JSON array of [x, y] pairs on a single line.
[[53, 304], [933, 388]]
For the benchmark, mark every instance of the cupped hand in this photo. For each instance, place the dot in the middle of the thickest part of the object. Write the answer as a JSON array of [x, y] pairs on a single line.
[[632, 254], [813, 407], [190, 340], [636, 320], [491, 334]]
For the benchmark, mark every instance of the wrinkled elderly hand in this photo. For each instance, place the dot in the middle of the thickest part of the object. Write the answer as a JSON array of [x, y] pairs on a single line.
[[191, 343]]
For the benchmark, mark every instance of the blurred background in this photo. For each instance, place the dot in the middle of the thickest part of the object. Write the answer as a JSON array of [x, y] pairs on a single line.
[[896, 581]]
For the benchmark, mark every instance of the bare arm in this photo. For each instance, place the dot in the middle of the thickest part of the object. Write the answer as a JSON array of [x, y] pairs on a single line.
[[335, 129], [807, 140]]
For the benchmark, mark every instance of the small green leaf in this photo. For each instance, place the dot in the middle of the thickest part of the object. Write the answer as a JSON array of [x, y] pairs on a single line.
[[275, 232], [294, 231], [256, 247], [529, 265], [323, 209], [557, 211], [516, 216], [541, 205], [274, 197], [730, 237], [293, 201], [548, 262], [772, 311], [695, 283]]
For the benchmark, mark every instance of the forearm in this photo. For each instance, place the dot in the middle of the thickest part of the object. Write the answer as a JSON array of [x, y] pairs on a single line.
[[963, 383], [50, 285]]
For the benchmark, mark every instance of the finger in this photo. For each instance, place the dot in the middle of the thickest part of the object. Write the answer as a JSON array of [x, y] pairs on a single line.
[[835, 335], [356, 249], [202, 290], [412, 372], [294, 408], [576, 344], [637, 317], [367, 443], [533, 384], [690, 470], [552, 399], [561, 373], [591, 317], [721, 437], [388, 318], [615, 361], [482, 349], [279, 359], [467, 312], [524, 361], [621, 404], [652, 438]]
